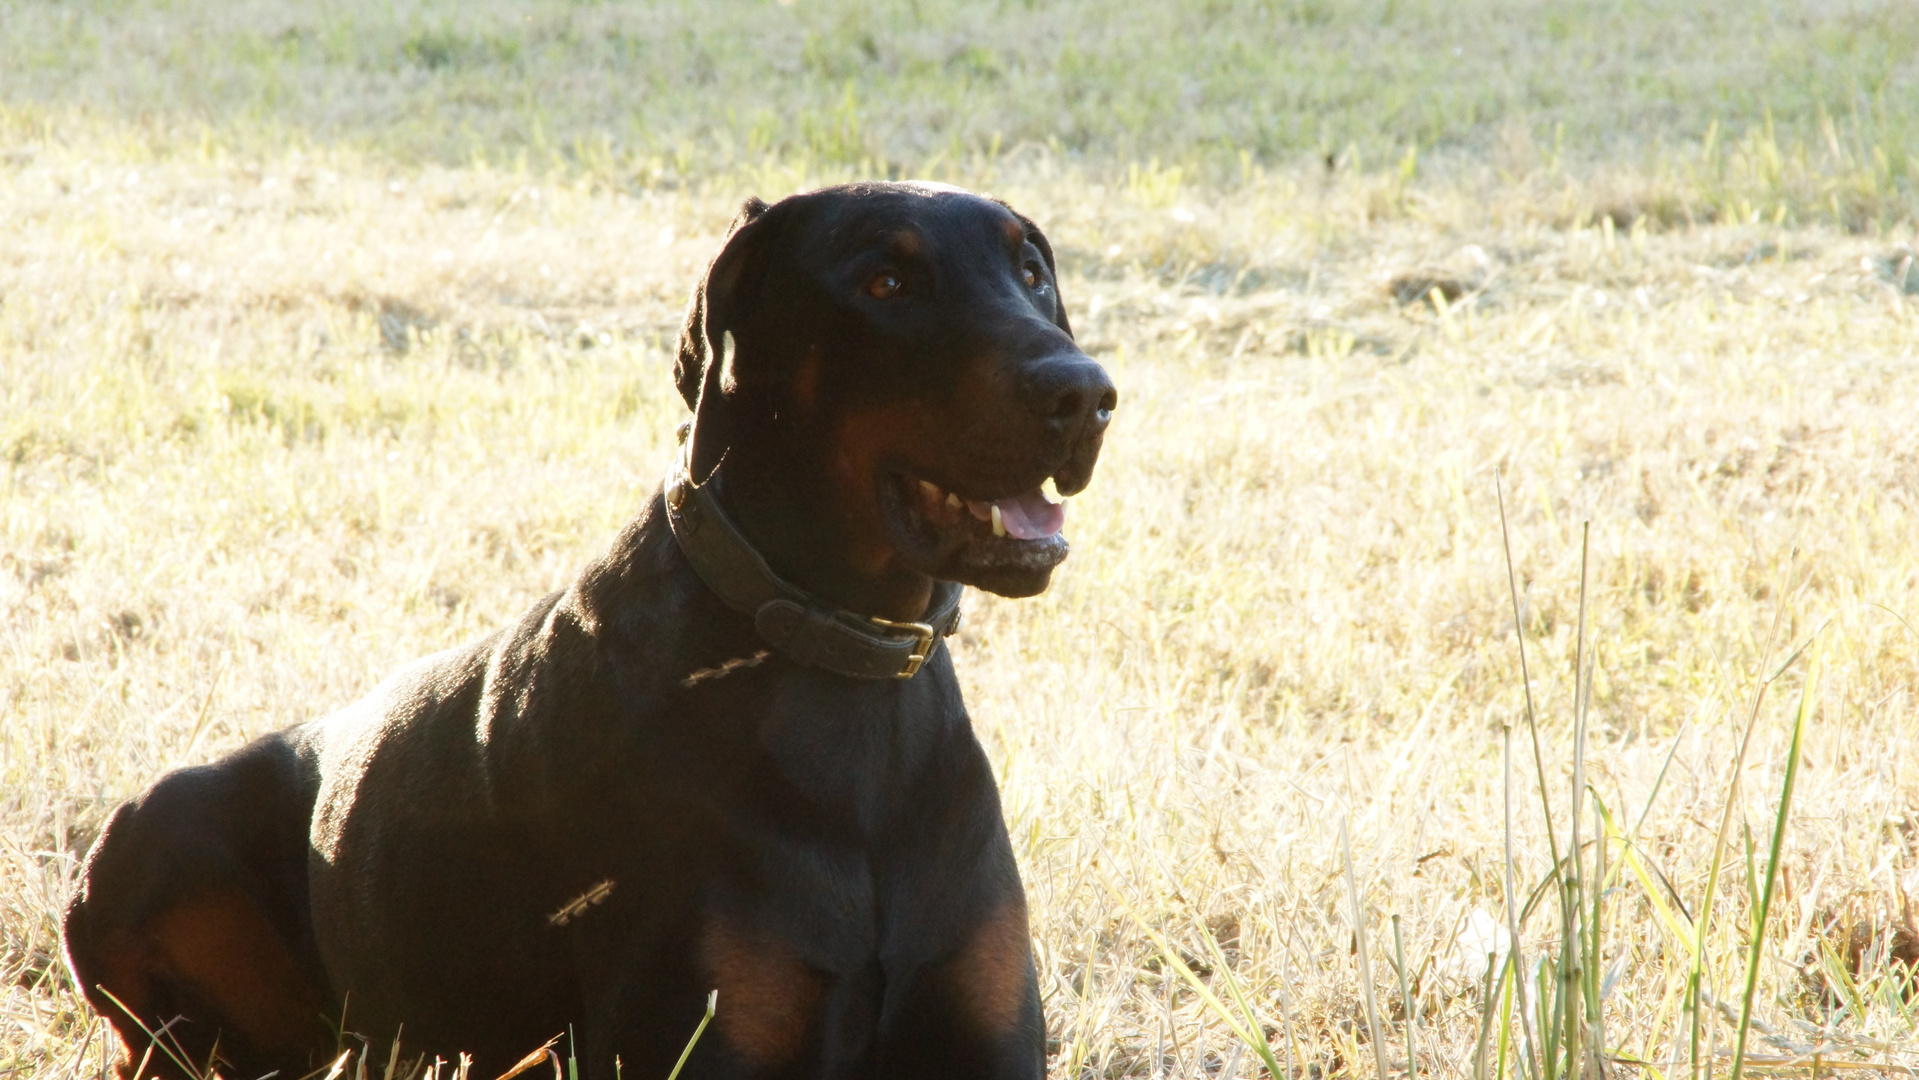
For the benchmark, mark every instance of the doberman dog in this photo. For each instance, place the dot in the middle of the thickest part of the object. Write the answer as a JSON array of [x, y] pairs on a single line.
[[731, 756]]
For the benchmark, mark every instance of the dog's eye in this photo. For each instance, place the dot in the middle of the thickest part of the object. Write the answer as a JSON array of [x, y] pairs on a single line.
[[1031, 275], [884, 286]]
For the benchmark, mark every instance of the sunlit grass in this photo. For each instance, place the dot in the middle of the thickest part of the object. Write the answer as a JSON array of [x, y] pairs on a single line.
[[265, 440], [1697, 111]]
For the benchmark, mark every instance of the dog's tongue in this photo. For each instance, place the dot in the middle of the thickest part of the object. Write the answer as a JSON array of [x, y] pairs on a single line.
[[1031, 517], [1026, 517]]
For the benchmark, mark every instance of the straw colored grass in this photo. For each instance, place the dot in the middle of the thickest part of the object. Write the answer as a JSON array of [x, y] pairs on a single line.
[[278, 416]]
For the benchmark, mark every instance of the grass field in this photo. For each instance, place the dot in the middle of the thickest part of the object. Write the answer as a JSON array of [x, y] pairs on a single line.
[[333, 336]]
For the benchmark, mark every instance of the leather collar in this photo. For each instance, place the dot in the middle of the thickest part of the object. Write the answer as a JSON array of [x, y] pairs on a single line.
[[800, 625]]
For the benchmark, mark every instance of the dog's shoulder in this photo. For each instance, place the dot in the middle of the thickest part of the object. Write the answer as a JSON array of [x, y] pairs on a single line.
[[472, 715]]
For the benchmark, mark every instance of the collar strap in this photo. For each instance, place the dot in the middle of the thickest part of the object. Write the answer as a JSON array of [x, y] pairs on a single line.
[[801, 626]]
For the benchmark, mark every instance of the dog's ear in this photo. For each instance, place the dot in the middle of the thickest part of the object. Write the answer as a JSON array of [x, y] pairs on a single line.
[[701, 370], [1038, 240]]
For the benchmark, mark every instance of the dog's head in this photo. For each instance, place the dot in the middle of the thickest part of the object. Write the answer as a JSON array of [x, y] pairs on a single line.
[[902, 380]]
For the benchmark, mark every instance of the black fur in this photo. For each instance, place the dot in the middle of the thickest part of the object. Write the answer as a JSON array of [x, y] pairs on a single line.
[[548, 831]]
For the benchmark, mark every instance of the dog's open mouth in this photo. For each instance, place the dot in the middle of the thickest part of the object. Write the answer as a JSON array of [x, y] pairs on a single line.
[[963, 536], [1034, 515]]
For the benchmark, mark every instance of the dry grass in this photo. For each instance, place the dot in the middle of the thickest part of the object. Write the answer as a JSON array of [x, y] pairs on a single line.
[[272, 423], [1702, 109]]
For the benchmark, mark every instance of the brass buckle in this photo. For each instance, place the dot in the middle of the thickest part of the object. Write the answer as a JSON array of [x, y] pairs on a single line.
[[681, 477], [922, 648]]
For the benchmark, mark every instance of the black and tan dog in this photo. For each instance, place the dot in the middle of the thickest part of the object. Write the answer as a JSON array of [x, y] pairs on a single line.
[[731, 755]]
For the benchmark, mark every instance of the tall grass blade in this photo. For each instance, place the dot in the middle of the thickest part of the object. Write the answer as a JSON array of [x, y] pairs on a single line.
[[1572, 948], [1485, 1017], [1525, 676], [1257, 1030], [1595, 935], [1406, 1002], [1678, 923], [1293, 1055], [1695, 981], [712, 1006], [1515, 955], [1365, 961], [1525, 672], [1250, 1031], [1550, 1006], [1799, 725], [153, 1037], [1658, 782], [1513, 979], [393, 1055]]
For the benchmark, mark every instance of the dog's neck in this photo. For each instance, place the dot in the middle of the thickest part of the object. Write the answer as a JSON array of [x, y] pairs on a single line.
[[793, 524]]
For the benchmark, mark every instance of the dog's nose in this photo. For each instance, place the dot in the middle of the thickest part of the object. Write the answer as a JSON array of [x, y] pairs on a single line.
[[1072, 395]]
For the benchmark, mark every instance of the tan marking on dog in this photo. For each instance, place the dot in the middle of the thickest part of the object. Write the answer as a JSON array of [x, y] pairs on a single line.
[[722, 670], [861, 441], [579, 905], [768, 995], [221, 944], [990, 972], [124, 961]]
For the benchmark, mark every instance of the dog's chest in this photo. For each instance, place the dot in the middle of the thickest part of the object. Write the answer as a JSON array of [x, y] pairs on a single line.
[[757, 853], [807, 755]]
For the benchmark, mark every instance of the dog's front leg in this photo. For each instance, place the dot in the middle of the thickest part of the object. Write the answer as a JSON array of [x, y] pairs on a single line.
[[962, 998], [973, 1013]]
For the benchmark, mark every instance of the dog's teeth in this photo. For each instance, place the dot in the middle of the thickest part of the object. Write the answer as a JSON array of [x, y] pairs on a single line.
[[999, 523], [953, 501], [929, 491], [1049, 491]]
